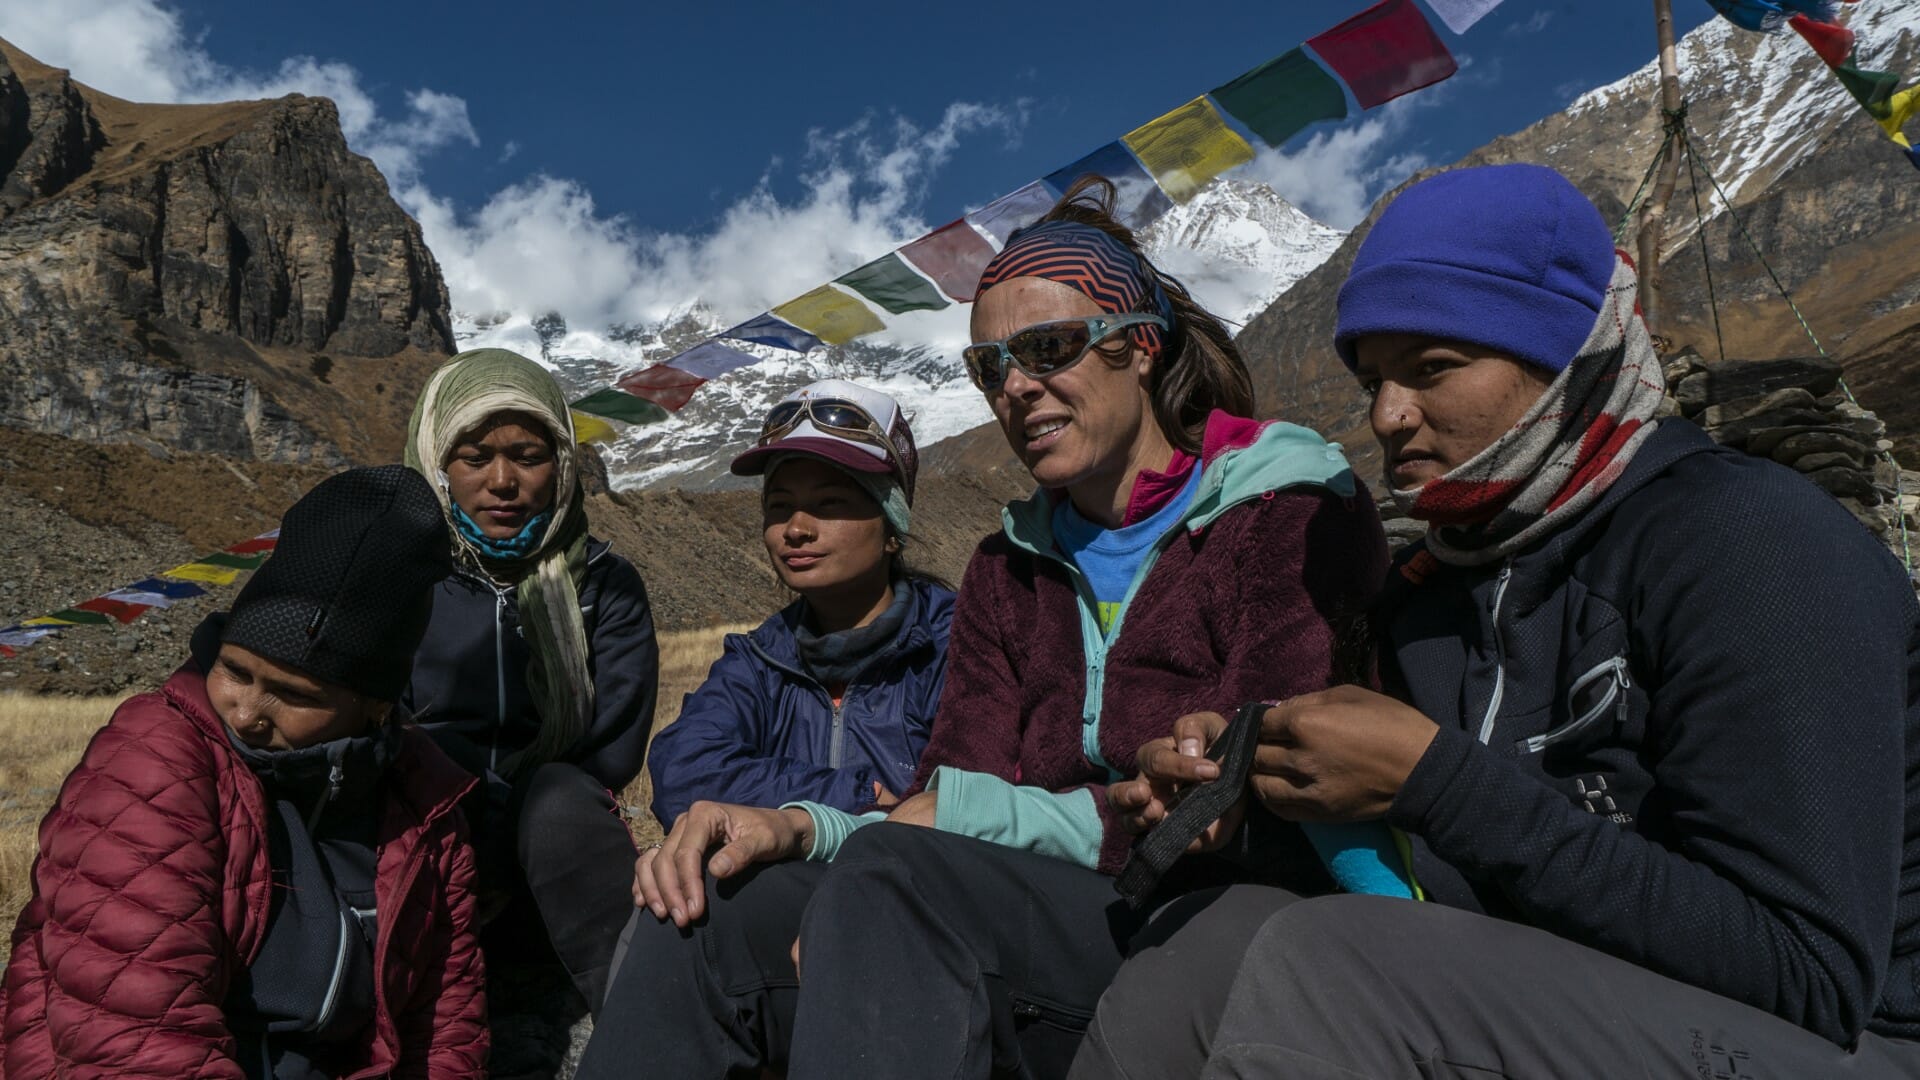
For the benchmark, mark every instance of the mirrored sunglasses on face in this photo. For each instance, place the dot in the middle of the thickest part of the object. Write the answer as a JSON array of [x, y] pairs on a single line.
[[834, 416], [1045, 348]]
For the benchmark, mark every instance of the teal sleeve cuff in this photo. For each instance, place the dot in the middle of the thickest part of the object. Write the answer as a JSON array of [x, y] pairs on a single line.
[[1064, 826], [832, 827], [1363, 857]]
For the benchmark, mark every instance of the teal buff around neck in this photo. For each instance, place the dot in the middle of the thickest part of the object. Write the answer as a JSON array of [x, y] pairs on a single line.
[[518, 546]]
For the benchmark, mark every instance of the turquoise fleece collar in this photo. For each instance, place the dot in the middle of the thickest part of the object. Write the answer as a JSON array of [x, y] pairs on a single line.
[[1283, 456]]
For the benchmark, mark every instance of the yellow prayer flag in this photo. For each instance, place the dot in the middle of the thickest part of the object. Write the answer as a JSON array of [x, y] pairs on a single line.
[[48, 620], [830, 315], [588, 428], [1902, 106], [212, 575], [1188, 147]]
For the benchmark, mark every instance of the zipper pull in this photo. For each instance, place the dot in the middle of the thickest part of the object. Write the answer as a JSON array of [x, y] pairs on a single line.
[[336, 776]]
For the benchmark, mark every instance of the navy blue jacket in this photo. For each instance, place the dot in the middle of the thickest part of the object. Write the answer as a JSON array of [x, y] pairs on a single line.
[[761, 731], [1682, 730], [469, 688]]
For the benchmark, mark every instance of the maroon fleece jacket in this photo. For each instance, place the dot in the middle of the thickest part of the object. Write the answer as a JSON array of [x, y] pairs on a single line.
[[1260, 605]]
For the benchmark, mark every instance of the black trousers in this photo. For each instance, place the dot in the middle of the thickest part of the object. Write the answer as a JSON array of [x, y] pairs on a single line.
[[555, 861], [922, 953], [1262, 984]]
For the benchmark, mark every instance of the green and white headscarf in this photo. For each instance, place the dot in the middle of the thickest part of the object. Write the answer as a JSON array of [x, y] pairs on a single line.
[[460, 396]]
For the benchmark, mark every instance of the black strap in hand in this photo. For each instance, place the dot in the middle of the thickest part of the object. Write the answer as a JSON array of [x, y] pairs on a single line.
[[1156, 852]]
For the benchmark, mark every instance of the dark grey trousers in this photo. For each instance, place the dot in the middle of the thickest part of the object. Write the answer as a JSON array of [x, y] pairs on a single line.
[[1262, 984], [922, 954]]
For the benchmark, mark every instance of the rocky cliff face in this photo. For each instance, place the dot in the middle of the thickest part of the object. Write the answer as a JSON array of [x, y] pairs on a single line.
[[227, 278]]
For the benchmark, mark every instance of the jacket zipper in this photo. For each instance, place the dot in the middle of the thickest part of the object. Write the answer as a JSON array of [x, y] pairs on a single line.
[[836, 740], [1616, 669], [336, 775], [332, 1000], [499, 678], [1499, 655]]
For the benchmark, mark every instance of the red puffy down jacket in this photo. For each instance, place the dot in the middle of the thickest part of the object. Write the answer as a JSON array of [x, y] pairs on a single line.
[[151, 888]]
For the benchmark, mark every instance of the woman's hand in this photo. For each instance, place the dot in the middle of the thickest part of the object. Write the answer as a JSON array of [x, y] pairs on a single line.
[[918, 810], [1337, 755], [667, 879], [1170, 767]]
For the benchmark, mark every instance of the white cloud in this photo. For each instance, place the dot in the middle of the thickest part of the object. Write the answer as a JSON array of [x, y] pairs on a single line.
[[1338, 174], [140, 50], [544, 244], [1531, 25]]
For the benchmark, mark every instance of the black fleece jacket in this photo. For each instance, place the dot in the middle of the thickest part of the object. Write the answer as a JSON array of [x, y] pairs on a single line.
[[469, 687], [1682, 730]]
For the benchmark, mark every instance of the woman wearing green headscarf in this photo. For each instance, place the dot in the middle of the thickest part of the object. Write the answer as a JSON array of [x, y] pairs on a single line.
[[539, 668]]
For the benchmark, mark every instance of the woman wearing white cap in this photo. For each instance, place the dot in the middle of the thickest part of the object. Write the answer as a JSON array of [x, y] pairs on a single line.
[[830, 700]]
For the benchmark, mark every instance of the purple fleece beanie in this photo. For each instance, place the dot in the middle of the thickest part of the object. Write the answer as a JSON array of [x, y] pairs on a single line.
[[1512, 257]]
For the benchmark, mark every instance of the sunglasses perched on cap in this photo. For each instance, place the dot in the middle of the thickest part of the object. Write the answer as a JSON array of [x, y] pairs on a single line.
[[1046, 348], [834, 416]]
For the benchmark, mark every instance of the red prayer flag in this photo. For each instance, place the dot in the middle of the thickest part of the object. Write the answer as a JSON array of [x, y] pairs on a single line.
[[953, 256], [253, 546], [1833, 43], [119, 611], [1385, 51], [668, 387]]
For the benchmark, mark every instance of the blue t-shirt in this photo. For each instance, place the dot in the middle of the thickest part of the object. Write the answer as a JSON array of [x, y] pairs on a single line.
[[1109, 558]]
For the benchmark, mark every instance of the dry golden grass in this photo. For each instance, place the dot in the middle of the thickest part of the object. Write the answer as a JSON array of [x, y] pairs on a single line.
[[41, 739], [685, 656]]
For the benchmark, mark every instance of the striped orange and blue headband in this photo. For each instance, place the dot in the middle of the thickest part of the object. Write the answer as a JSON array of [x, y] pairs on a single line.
[[1087, 259]]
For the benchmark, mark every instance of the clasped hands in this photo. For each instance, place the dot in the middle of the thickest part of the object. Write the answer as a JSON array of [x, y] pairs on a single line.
[[1336, 755], [667, 877]]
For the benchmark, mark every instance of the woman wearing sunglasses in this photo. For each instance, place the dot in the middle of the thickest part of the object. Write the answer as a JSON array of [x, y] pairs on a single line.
[[831, 699], [1178, 557]]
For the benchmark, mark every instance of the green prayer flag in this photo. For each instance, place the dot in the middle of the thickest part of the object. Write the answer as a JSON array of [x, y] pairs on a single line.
[[234, 562], [620, 405], [73, 615], [1282, 96], [892, 284], [1872, 89]]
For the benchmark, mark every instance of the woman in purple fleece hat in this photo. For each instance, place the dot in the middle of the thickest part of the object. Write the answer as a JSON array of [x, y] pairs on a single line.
[[1653, 739]]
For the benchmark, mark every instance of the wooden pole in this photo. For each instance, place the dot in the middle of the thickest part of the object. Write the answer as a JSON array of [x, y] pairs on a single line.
[[1653, 217]]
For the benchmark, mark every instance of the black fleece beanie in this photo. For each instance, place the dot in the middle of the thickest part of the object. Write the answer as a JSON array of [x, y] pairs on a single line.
[[346, 594]]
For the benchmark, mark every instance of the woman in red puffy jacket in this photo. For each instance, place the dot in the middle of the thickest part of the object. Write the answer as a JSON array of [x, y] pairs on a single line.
[[258, 871]]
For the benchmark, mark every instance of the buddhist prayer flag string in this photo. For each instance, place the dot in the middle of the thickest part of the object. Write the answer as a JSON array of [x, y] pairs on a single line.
[[1278, 99], [1387, 50], [1384, 52], [1877, 92], [1000, 217], [890, 283], [1187, 148], [124, 605], [953, 256], [831, 315]]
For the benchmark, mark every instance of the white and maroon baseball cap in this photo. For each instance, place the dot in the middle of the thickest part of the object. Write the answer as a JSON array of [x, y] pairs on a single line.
[[817, 420]]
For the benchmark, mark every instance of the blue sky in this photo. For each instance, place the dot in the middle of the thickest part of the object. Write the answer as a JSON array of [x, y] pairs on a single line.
[[679, 149]]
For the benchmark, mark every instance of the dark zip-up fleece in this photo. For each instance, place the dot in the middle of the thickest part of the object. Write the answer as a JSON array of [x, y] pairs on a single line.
[[1682, 730], [761, 731], [470, 673]]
